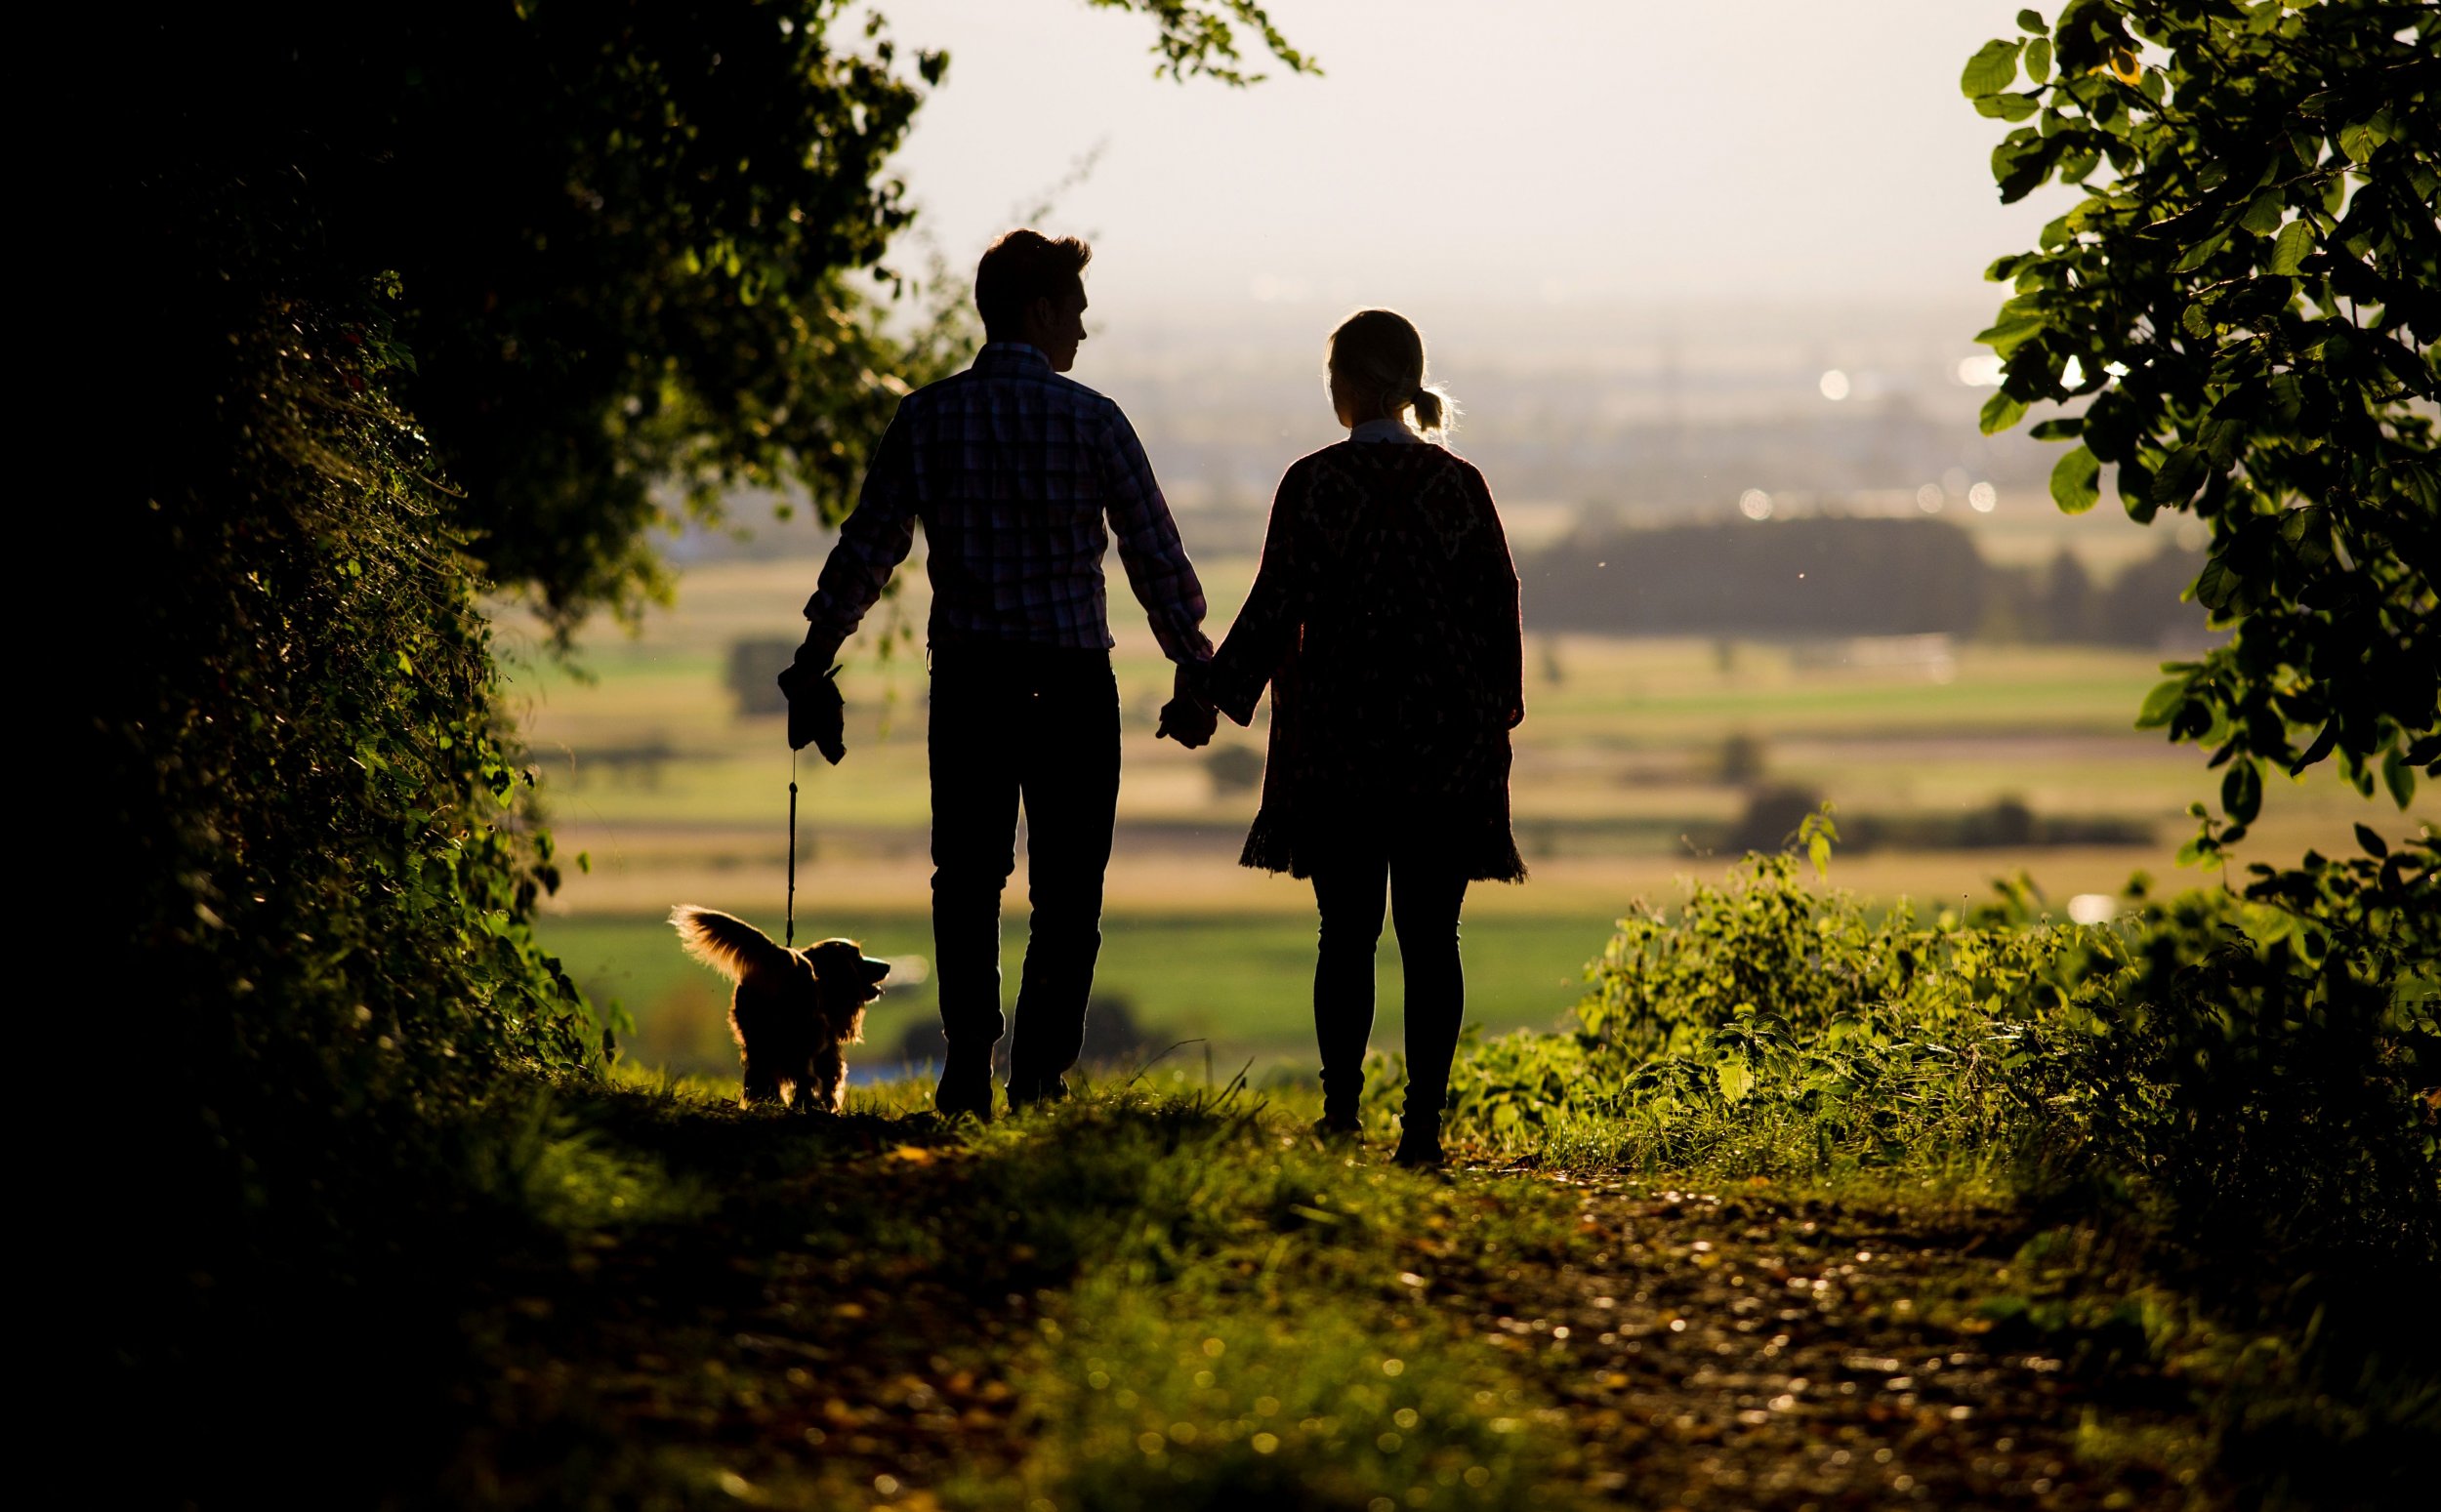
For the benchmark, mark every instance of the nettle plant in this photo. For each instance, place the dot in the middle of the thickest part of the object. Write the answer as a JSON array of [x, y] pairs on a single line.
[[2237, 318]]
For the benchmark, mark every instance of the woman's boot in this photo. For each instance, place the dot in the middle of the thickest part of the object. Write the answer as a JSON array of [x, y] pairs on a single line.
[[1339, 1124], [1420, 1142]]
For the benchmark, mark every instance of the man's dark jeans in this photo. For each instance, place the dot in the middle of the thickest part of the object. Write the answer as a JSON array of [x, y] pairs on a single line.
[[1035, 725], [1425, 891]]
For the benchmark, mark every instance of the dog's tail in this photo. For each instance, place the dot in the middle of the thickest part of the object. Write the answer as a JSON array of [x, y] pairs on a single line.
[[725, 943]]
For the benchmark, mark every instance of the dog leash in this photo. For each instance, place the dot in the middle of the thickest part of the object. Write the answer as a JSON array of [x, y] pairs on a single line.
[[791, 941]]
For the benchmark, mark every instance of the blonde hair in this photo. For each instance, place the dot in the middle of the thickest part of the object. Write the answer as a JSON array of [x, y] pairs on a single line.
[[1380, 353]]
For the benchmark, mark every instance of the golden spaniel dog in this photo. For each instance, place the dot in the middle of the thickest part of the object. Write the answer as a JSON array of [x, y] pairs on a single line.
[[792, 1009]]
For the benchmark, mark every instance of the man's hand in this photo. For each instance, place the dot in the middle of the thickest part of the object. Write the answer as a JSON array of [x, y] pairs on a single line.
[[817, 716]]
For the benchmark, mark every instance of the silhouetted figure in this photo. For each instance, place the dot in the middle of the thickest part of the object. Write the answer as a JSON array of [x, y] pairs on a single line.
[[1384, 622], [1019, 477]]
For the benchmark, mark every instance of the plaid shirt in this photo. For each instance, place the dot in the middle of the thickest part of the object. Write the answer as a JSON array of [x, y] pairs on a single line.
[[1013, 470]]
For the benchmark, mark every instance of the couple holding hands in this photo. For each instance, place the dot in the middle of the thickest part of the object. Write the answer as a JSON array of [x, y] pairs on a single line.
[[1383, 621]]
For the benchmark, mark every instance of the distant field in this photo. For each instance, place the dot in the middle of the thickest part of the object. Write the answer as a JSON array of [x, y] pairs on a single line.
[[1621, 780], [1624, 785], [1244, 983]]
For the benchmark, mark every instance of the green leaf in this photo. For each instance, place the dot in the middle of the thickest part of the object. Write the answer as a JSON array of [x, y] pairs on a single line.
[[2136, 483], [1736, 1077], [2160, 703], [2262, 213], [2289, 248], [2242, 791], [2039, 60], [2013, 331], [2306, 532], [2218, 585], [1993, 68], [2005, 107], [2002, 411], [2374, 845], [2077, 481], [2032, 20], [2199, 253], [2398, 774], [2181, 476]]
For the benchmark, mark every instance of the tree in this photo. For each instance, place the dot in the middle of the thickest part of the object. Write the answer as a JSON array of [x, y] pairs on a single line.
[[631, 246], [2237, 318], [2068, 606]]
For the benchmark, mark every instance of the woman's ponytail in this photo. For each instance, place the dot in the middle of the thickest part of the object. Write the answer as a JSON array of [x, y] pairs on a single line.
[[1379, 352]]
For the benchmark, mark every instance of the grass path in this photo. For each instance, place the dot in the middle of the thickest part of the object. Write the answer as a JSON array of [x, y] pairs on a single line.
[[1179, 1300]]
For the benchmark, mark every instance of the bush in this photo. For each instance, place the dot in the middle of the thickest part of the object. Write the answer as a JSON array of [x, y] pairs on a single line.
[[323, 869], [2258, 1070], [1772, 1028], [2266, 1065]]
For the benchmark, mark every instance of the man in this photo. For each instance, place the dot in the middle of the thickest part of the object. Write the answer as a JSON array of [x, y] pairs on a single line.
[[1014, 472]]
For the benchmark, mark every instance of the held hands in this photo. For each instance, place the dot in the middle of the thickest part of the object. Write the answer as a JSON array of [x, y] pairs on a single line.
[[1187, 717], [817, 716]]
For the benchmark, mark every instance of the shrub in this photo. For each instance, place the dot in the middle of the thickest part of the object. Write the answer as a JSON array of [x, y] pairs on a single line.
[[2266, 1064], [324, 868], [1771, 1027], [2259, 1070]]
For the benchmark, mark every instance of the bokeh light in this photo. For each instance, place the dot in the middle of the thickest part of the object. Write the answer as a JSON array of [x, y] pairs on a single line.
[[1835, 385], [1982, 372], [2093, 908], [1984, 498], [1754, 504], [1929, 498]]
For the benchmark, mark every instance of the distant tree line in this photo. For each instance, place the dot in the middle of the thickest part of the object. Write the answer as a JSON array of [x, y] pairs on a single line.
[[1833, 576]]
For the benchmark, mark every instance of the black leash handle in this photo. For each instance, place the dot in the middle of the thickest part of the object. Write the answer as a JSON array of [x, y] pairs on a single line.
[[791, 941]]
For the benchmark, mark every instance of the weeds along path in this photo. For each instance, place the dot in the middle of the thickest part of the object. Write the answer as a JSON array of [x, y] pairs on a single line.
[[1184, 1303]]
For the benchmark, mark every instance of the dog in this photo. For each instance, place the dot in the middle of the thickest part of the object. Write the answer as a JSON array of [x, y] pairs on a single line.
[[792, 1009]]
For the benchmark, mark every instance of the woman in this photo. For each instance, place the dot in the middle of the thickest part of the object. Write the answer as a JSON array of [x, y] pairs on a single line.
[[1384, 622]]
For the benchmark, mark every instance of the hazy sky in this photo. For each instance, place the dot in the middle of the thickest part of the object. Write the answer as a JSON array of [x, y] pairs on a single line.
[[1487, 151]]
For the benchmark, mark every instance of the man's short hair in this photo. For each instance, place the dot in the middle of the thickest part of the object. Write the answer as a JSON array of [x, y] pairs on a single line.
[[1023, 267]]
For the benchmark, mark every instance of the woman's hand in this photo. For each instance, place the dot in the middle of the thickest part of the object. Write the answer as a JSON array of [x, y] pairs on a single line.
[[1188, 718], [1188, 721]]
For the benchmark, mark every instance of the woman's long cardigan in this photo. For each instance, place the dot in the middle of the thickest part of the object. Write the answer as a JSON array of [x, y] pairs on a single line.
[[1385, 621]]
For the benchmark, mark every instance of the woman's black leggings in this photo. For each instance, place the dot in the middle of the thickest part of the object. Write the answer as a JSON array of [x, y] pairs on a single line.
[[1425, 894]]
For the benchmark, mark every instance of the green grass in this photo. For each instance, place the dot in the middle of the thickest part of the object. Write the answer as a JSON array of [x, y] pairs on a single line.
[[1172, 1297], [1242, 983]]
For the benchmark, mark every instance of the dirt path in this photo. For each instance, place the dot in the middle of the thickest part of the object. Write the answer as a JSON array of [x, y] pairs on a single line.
[[847, 1330], [1758, 1353]]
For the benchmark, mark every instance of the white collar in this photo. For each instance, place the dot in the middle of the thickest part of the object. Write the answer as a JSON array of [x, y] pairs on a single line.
[[1383, 428]]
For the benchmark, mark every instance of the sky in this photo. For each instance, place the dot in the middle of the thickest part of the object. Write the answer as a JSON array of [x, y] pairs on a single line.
[[1483, 153]]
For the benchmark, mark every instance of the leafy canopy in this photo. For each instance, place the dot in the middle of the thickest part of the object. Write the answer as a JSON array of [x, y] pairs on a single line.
[[2238, 318], [637, 248]]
